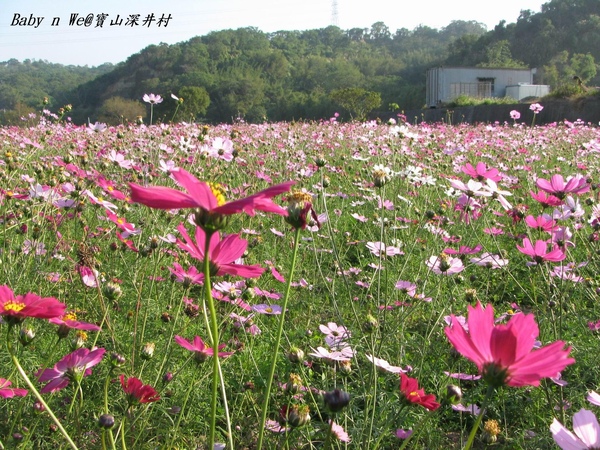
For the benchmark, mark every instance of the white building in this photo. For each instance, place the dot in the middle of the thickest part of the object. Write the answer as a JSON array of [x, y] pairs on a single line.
[[444, 84]]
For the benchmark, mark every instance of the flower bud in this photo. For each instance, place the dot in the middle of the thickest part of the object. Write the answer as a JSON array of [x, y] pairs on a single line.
[[370, 324], [336, 400], [106, 421], [26, 336], [381, 175], [453, 394], [491, 430], [148, 350], [294, 415], [79, 340], [295, 355], [294, 384], [112, 291], [117, 360]]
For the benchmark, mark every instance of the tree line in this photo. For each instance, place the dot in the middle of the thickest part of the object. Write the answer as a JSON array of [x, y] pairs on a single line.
[[292, 75]]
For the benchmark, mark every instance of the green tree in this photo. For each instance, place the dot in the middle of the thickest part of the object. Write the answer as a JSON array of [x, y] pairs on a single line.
[[358, 102], [498, 55], [117, 110], [194, 102]]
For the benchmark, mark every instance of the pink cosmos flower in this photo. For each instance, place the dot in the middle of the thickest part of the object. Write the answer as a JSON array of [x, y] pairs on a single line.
[[407, 287], [542, 223], [137, 392], [463, 250], [385, 366], [187, 277], [471, 189], [335, 335], [545, 199], [338, 432], [490, 261], [269, 310], [152, 98], [504, 354], [445, 265], [345, 354], [587, 432], [481, 172], [536, 108], [539, 252], [222, 252], [74, 366], [558, 187], [7, 392], [515, 115], [593, 397], [17, 308], [381, 250], [207, 197], [200, 349], [409, 387], [69, 320]]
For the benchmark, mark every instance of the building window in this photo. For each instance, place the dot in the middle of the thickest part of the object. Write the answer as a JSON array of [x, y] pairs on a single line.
[[485, 87]]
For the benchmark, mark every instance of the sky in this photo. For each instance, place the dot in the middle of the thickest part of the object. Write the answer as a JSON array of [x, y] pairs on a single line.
[[41, 30]]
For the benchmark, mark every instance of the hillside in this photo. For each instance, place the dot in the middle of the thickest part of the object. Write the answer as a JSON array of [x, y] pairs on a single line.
[[290, 75]]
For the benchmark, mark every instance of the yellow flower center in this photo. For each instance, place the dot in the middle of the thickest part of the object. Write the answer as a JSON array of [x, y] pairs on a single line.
[[219, 192], [299, 197], [81, 335], [110, 188], [70, 316], [269, 309], [492, 427], [14, 306], [120, 221]]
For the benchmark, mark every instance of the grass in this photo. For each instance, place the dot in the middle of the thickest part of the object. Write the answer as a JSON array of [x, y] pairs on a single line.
[[51, 226]]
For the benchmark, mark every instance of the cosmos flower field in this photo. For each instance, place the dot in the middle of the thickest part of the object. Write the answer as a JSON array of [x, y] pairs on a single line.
[[363, 285]]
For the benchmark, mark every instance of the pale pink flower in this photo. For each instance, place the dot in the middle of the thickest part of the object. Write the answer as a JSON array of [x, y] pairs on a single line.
[[445, 265], [587, 432]]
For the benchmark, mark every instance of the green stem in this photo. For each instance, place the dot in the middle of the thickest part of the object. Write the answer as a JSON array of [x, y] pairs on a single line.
[[123, 444], [214, 335], [417, 430], [109, 431], [486, 400], [36, 392], [180, 415], [265, 406]]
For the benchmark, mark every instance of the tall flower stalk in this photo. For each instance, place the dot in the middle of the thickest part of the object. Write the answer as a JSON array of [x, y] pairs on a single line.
[[35, 392], [265, 405]]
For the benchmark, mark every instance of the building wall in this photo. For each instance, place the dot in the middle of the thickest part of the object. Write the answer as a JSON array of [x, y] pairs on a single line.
[[446, 83]]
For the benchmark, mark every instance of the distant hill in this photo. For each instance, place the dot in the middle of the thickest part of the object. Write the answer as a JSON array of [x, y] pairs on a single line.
[[290, 75]]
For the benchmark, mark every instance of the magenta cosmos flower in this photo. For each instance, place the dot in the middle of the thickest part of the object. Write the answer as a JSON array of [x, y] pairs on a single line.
[[74, 366], [201, 351], [481, 172], [138, 392], [409, 387], [504, 354], [587, 432], [207, 198], [539, 252], [559, 187], [16, 309], [7, 392], [69, 320], [222, 253]]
